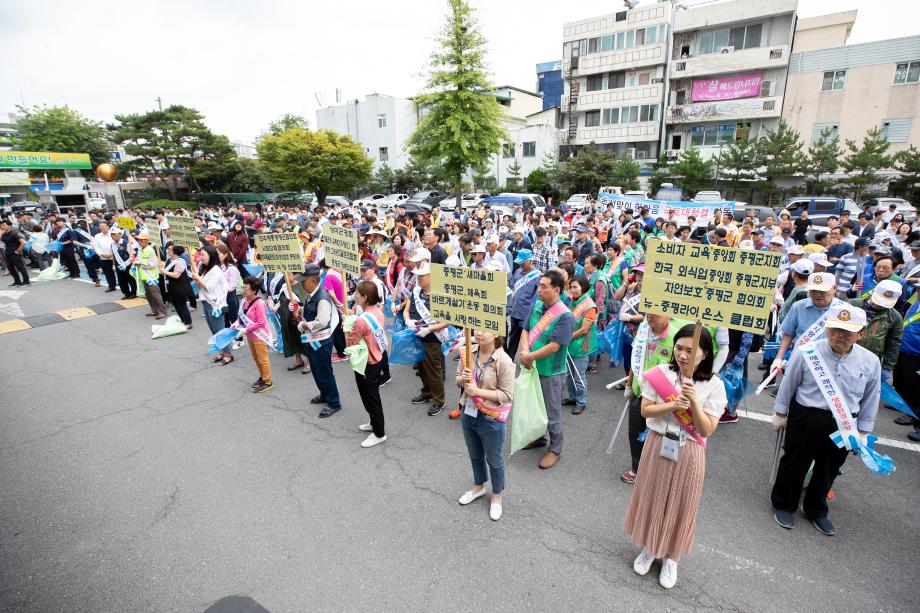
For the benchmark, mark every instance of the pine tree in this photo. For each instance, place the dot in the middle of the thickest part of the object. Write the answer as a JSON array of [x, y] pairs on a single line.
[[460, 117], [514, 175], [691, 172], [738, 164], [862, 163], [823, 159], [780, 155], [662, 174], [907, 162], [625, 173]]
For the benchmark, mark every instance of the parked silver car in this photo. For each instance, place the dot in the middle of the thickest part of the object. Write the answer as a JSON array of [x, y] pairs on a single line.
[[903, 207]]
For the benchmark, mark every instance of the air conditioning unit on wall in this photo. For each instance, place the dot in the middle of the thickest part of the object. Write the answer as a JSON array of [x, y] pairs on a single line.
[[641, 155], [726, 49]]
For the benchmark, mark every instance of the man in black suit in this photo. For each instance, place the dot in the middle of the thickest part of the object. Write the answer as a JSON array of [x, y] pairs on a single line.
[[866, 229]]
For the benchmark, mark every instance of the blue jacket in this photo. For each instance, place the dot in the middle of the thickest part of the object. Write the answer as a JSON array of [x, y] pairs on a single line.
[[522, 301]]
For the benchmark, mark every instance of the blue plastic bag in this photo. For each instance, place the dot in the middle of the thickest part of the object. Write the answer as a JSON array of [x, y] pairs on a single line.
[[770, 349], [406, 348], [221, 340], [736, 386], [453, 335], [54, 246], [388, 308], [254, 270], [613, 341], [398, 324], [275, 323], [892, 398]]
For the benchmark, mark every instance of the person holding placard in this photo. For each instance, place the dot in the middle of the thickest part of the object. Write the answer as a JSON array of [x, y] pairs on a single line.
[[832, 368], [545, 347], [681, 412], [432, 334], [488, 389], [123, 252], [319, 318]]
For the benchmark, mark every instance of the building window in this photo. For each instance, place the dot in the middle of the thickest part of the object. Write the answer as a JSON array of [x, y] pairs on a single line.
[[713, 41], [711, 136], [621, 40], [611, 116], [745, 37], [907, 73], [621, 16], [630, 39], [648, 112], [530, 149], [381, 120], [592, 119], [767, 89], [629, 114], [616, 80], [645, 78], [593, 45], [384, 154], [833, 80], [595, 82], [607, 42], [640, 37], [818, 128], [508, 150], [742, 131]]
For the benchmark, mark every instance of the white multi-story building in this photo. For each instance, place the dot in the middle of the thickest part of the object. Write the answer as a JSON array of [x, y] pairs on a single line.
[[381, 124], [727, 72], [614, 72], [245, 149]]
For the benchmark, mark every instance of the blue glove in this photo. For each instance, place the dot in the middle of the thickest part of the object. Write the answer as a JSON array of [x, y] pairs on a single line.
[[737, 362], [888, 377], [217, 312]]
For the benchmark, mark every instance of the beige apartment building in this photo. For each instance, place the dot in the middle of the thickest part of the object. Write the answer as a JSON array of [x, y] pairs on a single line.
[[852, 88]]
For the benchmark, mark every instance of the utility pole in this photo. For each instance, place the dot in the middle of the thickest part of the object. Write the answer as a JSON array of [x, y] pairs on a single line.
[[159, 102]]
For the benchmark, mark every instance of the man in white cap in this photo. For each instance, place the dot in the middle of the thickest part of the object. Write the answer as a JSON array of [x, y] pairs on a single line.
[[853, 374], [494, 257], [431, 333], [798, 276], [820, 261], [806, 319], [885, 325], [478, 256]]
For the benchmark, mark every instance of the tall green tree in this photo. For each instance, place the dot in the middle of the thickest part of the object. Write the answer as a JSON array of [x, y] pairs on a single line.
[[737, 165], [460, 125], [907, 162], [691, 172], [780, 155], [863, 162], [514, 175], [625, 172], [586, 172], [251, 176], [286, 122], [167, 143], [550, 165], [384, 180], [60, 128], [823, 159], [537, 182], [216, 166], [323, 162], [662, 174]]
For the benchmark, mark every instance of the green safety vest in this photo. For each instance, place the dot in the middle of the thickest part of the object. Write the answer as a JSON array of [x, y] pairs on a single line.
[[602, 301], [576, 347], [662, 353], [554, 364]]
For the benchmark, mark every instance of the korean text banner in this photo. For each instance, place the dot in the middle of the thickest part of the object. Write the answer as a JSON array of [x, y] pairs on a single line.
[[469, 298], [43, 159], [182, 232], [280, 252], [727, 88], [719, 286], [702, 211], [126, 222], [341, 245], [153, 229]]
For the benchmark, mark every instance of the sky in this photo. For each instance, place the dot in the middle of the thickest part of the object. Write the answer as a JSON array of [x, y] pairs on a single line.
[[244, 63]]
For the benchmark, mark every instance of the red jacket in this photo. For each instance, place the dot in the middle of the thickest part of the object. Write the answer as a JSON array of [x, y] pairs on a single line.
[[238, 242]]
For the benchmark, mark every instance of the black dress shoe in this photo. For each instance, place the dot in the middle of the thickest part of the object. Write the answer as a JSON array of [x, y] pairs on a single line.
[[568, 402], [317, 400], [329, 411], [110, 290]]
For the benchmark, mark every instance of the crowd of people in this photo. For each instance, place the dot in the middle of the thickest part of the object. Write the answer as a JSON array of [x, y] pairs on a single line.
[[844, 293]]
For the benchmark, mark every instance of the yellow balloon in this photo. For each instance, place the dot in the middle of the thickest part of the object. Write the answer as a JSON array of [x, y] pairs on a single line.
[[106, 172]]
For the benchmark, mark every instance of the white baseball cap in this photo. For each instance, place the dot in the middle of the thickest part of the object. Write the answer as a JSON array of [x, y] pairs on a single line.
[[822, 282], [819, 259], [795, 250], [846, 317], [480, 248], [886, 293], [746, 244], [420, 254], [422, 270], [777, 240], [804, 267], [493, 238]]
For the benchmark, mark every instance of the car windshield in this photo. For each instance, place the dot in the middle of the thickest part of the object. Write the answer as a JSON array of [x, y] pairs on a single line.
[[669, 194], [707, 198], [420, 195], [539, 200]]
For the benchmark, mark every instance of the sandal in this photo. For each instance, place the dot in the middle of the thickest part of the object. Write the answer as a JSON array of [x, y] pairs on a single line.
[[225, 362], [306, 371], [294, 367], [218, 359]]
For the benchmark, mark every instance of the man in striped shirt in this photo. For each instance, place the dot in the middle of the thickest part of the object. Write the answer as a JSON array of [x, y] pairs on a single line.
[[545, 255], [848, 267]]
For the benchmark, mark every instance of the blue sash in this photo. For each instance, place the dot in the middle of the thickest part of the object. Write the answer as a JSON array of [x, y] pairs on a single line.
[[378, 331]]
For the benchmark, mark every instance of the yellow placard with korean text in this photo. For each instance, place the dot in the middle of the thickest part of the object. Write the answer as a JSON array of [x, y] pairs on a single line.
[[341, 247], [280, 252], [182, 232], [469, 298], [153, 229], [126, 223], [718, 286]]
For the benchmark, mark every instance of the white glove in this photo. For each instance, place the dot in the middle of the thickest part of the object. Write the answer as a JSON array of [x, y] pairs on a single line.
[[777, 364], [625, 316], [779, 421], [411, 323], [778, 300], [423, 331], [628, 392]]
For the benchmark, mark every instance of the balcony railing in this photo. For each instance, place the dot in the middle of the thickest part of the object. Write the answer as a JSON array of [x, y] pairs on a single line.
[[725, 110], [730, 61]]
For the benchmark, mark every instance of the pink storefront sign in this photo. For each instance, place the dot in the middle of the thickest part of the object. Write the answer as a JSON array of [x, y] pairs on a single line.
[[727, 88]]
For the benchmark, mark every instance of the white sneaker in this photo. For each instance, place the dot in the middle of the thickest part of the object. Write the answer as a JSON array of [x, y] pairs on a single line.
[[495, 511], [643, 563], [372, 440], [470, 496], [365, 428], [668, 576]]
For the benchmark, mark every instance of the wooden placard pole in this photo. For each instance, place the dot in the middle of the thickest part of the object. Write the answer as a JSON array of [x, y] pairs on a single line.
[[344, 291], [468, 348], [691, 365]]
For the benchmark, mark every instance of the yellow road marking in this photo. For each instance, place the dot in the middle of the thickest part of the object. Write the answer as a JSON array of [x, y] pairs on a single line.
[[77, 313], [13, 325]]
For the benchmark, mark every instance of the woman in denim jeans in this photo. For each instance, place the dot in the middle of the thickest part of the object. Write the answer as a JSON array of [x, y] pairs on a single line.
[[488, 387], [212, 289]]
